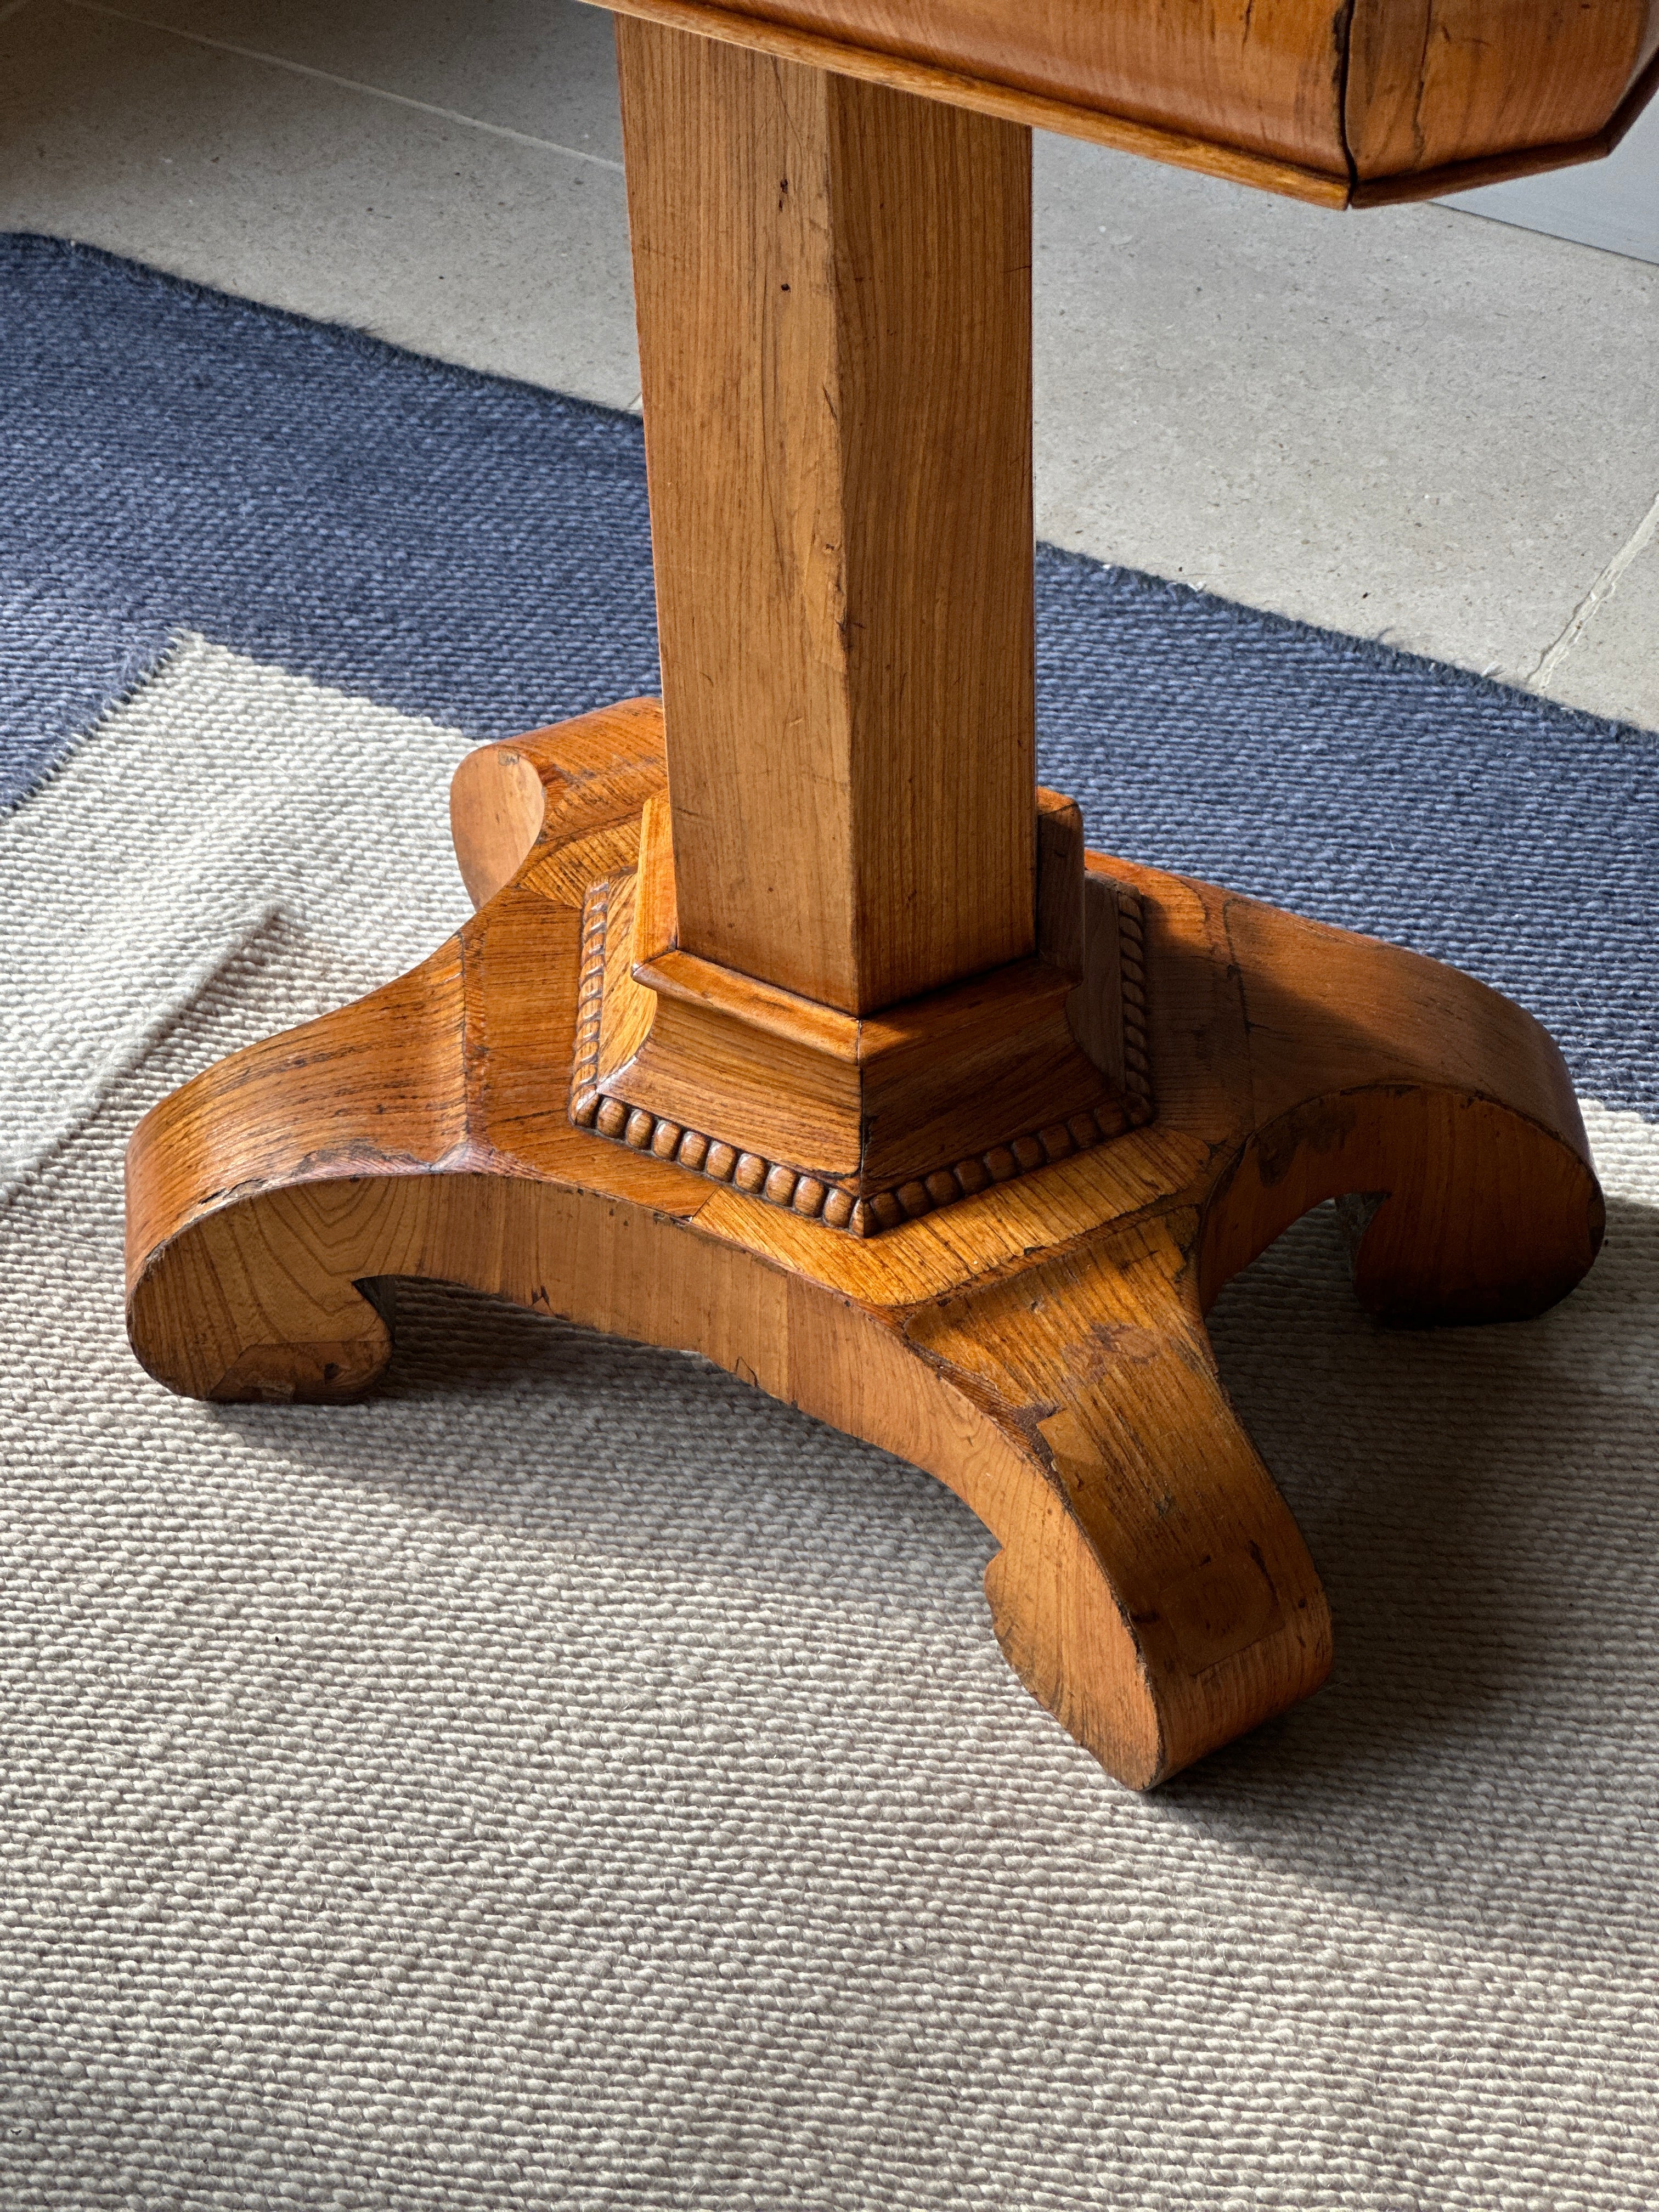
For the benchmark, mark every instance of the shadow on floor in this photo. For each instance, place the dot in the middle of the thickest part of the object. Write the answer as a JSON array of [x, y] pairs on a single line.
[[1484, 1504]]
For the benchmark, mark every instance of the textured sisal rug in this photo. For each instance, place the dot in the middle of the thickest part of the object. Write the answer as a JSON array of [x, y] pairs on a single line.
[[572, 1779]]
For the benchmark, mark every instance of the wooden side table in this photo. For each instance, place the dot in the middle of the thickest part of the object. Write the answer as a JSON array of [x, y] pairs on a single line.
[[795, 1026]]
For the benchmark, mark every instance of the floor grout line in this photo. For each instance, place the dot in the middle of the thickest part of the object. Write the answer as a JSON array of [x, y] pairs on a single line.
[[1599, 592], [328, 76]]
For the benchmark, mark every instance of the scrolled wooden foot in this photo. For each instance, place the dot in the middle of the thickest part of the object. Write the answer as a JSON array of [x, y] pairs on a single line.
[[1038, 1344], [1152, 1590]]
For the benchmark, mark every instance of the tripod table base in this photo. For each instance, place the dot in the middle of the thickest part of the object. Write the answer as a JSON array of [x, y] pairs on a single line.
[[1038, 1344]]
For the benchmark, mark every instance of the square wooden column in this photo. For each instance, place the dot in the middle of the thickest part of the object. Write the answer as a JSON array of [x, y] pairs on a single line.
[[834, 307]]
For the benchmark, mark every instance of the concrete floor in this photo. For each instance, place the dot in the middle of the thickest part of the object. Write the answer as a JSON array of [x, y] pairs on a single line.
[[1408, 424]]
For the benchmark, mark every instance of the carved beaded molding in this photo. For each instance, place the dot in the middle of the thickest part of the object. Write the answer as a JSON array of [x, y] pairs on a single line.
[[796, 1192]]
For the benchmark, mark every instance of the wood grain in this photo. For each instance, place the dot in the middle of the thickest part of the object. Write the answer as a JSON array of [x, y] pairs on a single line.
[[1263, 76], [1039, 1346], [1251, 93], [1464, 174], [860, 1120], [1432, 83], [834, 294]]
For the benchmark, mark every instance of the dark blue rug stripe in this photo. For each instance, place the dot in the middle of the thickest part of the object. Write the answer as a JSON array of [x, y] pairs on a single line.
[[450, 544], [65, 659], [1372, 789], [476, 550]]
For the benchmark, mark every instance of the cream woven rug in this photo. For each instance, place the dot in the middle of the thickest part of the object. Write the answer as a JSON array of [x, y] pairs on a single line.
[[573, 1779]]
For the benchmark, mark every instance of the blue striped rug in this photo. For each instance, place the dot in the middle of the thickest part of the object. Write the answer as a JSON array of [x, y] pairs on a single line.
[[479, 552], [571, 1778]]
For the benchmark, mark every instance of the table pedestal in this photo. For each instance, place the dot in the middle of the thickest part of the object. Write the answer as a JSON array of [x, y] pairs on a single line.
[[812, 1040]]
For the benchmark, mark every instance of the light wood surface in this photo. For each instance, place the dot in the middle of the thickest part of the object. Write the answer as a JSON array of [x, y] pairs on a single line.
[[1264, 78], [1434, 83], [1038, 1346], [834, 307], [1393, 100], [863, 1120]]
